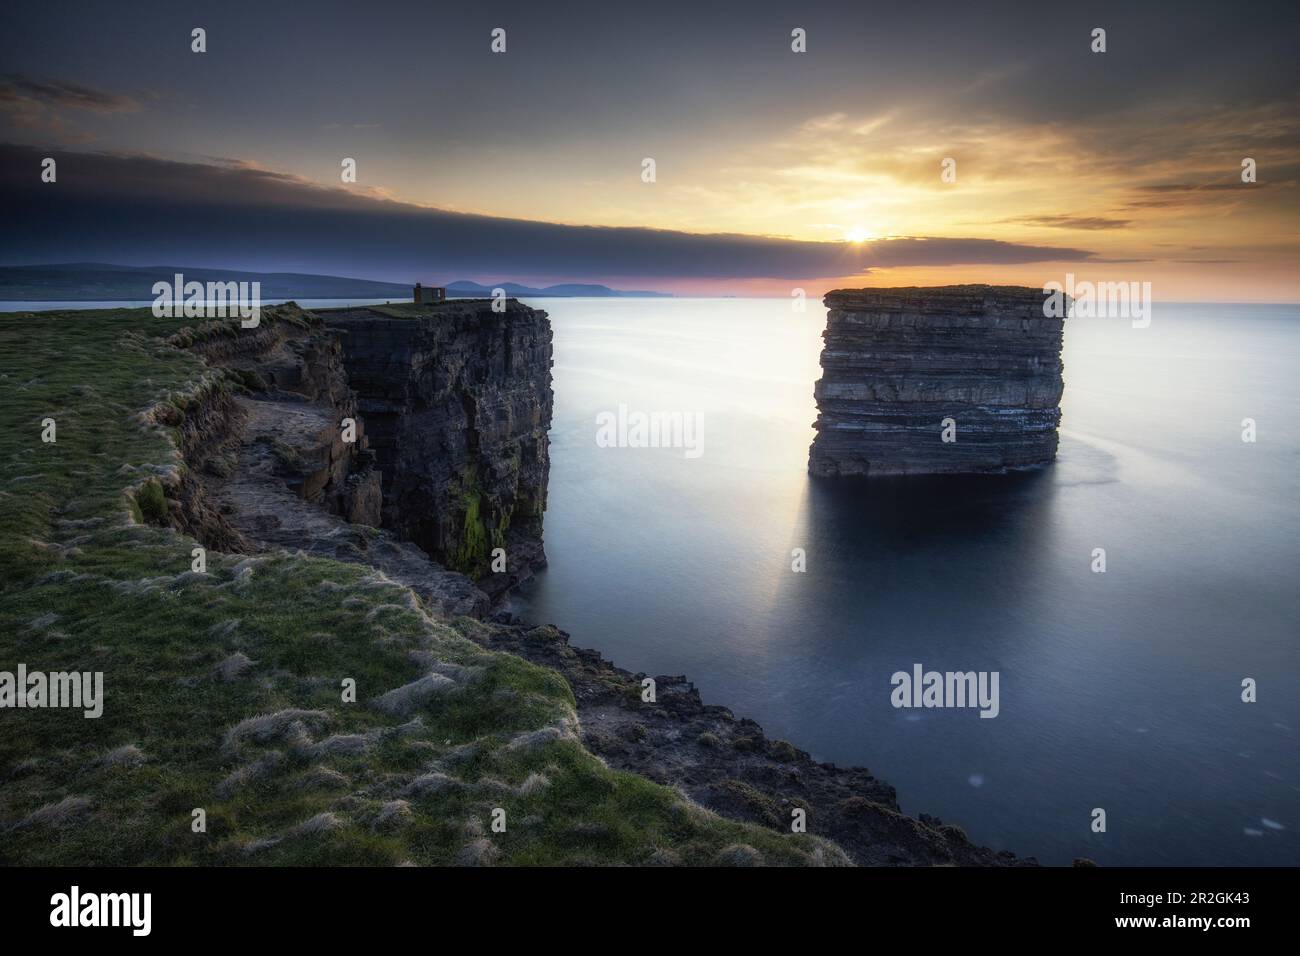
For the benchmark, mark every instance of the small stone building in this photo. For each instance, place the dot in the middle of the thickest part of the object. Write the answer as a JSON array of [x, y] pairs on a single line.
[[430, 293]]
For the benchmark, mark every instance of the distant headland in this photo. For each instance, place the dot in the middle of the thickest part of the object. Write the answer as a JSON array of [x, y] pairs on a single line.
[[100, 281]]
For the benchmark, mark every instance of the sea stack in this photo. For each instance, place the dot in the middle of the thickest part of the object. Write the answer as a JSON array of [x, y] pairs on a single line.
[[961, 379]]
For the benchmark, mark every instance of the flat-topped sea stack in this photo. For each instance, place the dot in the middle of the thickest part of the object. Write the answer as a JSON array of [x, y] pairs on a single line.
[[962, 379]]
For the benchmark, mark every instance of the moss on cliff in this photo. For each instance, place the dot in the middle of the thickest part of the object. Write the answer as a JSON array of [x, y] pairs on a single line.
[[479, 534], [502, 526], [472, 553]]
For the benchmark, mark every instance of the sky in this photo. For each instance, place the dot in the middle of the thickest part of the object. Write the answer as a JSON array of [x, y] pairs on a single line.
[[774, 169]]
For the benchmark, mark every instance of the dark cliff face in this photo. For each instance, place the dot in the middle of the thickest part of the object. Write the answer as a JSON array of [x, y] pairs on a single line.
[[271, 466], [457, 402], [945, 380], [448, 452]]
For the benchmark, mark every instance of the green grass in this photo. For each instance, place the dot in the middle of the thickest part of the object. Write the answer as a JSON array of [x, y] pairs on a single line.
[[93, 581]]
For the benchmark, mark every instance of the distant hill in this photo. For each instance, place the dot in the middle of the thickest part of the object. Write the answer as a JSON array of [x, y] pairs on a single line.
[[91, 281], [466, 289], [88, 281]]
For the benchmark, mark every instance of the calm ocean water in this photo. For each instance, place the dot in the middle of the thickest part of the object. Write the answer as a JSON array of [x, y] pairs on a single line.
[[1119, 690]]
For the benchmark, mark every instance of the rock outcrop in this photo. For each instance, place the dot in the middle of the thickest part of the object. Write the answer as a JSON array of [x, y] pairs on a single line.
[[944, 380], [457, 404], [450, 406]]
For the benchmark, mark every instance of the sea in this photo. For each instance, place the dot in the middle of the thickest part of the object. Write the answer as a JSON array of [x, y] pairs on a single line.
[[1119, 690]]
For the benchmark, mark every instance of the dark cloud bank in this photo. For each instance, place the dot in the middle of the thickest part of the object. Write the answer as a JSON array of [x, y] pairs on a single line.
[[16, 89], [143, 210]]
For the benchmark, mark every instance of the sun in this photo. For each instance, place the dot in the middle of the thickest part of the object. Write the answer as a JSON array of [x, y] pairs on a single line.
[[859, 234]]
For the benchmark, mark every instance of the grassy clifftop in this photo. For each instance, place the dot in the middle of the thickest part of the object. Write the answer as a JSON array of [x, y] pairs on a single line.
[[223, 690]]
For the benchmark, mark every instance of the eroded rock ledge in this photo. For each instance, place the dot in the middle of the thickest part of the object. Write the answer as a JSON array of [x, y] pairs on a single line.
[[898, 364], [451, 406]]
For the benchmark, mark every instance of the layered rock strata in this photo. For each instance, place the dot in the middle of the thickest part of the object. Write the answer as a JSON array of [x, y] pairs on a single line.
[[457, 403], [944, 380], [450, 407]]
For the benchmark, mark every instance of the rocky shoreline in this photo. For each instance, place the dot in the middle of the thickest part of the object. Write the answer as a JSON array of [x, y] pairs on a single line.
[[727, 764], [273, 475]]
